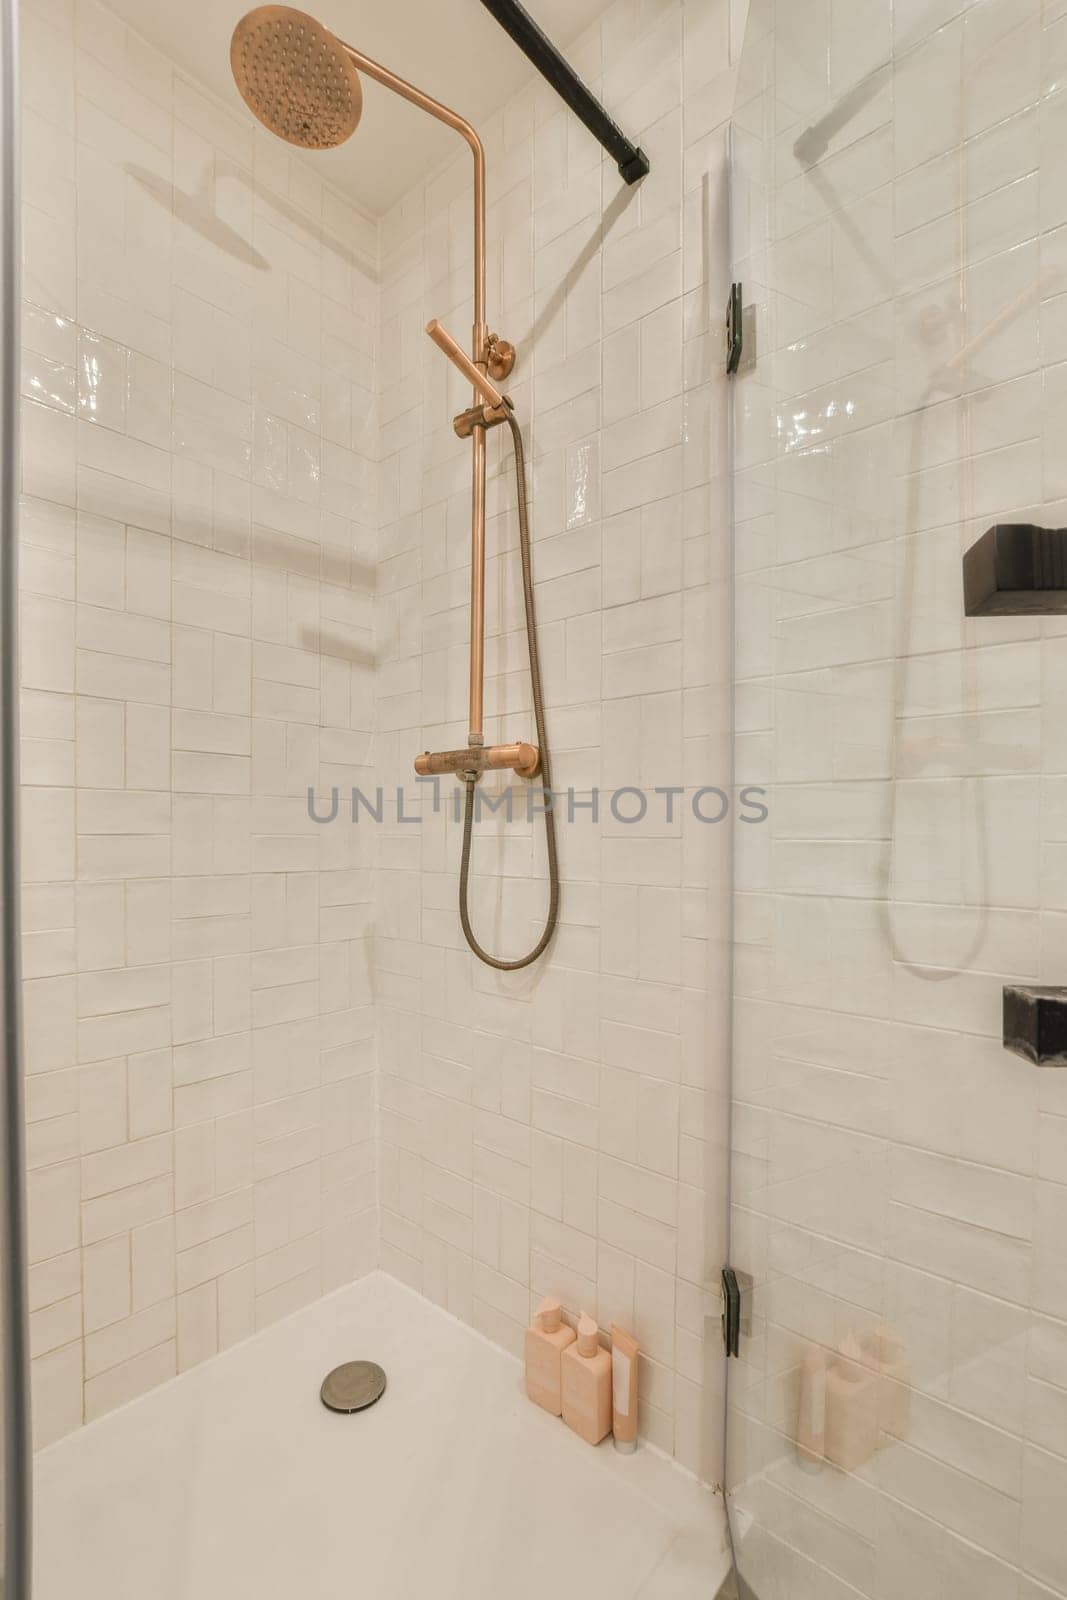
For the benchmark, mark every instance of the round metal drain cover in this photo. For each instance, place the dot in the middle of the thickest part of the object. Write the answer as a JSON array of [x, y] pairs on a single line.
[[353, 1387]]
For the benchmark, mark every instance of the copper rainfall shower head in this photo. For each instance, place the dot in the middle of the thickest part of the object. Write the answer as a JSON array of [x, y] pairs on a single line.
[[296, 77]]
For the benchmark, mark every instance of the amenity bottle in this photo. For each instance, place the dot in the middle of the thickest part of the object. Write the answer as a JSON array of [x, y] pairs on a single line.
[[586, 1370], [623, 1390], [886, 1352], [811, 1407], [546, 1341], [852, 1394]]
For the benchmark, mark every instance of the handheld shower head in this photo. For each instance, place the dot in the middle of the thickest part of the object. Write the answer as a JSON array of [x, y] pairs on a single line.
[[296, 77]]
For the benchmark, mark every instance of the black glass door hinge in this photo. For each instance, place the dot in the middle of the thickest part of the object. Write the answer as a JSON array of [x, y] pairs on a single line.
[[735, 335], [731, 1312], [740, 333]]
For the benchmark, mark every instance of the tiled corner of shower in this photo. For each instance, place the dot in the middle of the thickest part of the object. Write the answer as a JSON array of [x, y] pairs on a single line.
[[198, 554], [245, 565]]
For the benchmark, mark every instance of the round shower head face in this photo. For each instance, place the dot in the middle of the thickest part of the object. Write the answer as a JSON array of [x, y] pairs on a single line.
[[296, 77]]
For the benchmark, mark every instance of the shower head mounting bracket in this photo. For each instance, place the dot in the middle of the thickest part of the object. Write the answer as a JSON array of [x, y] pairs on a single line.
[[481, 416]]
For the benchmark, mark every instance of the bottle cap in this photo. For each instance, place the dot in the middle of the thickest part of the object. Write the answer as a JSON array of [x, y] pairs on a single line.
[[548, 1315], [883, 1345], [588, 1343]]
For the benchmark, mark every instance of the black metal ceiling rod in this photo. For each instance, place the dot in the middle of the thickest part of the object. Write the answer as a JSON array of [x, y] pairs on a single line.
[[633, 163]]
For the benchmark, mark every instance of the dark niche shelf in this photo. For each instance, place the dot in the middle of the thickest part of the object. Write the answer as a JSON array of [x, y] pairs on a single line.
[[1016, 570], [1035, 1024]]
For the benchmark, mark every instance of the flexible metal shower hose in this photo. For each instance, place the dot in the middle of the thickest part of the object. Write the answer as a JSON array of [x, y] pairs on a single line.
[[542, 744]]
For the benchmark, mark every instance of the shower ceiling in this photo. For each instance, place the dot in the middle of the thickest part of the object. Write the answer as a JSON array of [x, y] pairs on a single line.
[[451, 48]]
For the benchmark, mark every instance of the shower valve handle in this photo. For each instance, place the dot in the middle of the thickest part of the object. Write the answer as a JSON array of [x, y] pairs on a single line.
[[500, 357]]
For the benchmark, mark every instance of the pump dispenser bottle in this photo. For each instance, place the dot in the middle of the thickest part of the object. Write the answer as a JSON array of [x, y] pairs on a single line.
[[586, 1370], [546, 1341]]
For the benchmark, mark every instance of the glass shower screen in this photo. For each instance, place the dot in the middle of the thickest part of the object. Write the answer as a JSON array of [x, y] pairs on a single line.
[[15, 1449], [898, 1410]]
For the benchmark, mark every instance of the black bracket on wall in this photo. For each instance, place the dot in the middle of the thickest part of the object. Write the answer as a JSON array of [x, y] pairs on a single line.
[[731, 1312], [1035, 1023], [557, 70], [1016, 570], [735, 330]]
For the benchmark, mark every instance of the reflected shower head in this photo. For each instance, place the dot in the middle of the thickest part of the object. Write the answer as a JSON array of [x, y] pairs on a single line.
[[296, 77]]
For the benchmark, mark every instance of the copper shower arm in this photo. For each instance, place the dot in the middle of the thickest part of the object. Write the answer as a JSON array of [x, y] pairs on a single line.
[[480, 356], [453, 120]]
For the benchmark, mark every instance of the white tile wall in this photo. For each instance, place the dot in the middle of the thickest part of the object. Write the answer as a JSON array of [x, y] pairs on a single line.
[[200, 426], [211, 623], [891, 1161], [559, 1130]]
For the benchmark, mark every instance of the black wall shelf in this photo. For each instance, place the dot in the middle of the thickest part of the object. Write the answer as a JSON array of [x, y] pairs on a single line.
[[1016, 570], [1035, 1024]]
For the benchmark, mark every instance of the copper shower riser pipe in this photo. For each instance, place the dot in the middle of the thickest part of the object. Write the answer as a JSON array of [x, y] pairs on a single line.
[[522, 758], [479, 357]]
